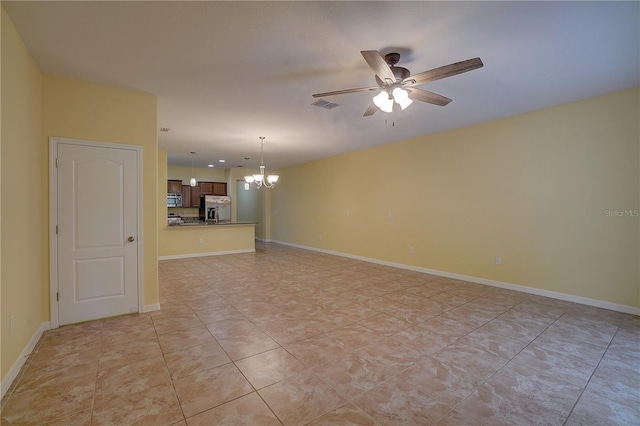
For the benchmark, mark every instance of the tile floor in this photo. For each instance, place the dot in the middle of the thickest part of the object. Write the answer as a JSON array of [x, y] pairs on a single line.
[[293, 337]]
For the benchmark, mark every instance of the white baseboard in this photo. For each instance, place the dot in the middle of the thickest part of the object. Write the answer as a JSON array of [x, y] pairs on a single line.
[[151, 307], [17, 365], [516, 287], [213, 253]]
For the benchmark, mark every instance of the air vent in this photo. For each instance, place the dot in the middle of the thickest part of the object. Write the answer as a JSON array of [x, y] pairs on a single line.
[[324, 104], [164, 129]]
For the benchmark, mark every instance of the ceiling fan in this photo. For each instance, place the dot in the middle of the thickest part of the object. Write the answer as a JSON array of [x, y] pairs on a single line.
[[396, 84]]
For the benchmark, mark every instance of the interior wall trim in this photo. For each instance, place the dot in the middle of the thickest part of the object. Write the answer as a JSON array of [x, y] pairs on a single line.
[[516, 287], [151, 307], [212, 253], [17, 365]]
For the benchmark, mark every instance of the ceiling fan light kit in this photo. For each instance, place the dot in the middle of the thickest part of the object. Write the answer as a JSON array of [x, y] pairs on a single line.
[[261, 180], [396, 84]]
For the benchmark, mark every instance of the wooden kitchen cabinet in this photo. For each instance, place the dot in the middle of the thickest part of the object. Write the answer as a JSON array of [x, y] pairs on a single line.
[[206, 188], [190, 196], [219, 188], [174, 186], [213, 188], [195, 196], [186, 195]]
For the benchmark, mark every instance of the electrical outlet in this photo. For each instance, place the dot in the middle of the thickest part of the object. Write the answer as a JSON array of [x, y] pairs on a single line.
[[498, 261], [201, 240], [389, 214], [12, 323], [320, 237], [348, 213], [410, 249]]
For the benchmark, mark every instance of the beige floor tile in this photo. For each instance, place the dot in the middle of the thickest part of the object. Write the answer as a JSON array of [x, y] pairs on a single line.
[[393, 357], [269, 367], [442, 382], [246, 410], [592, 409], [80, 418], [113, 355], [182, 339], [208, 389], [52, 402], [195, 359], [348, 414], [153, 405], [351, 375], [501, 346], [424, 341], [569, 368], [311, 331], [175, 323], [384, 324], [353, 336], [396, 402], [316, 351], [301, 399], [476, 361]]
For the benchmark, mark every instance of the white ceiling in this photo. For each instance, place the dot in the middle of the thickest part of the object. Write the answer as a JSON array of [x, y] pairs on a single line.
[[227, 72]]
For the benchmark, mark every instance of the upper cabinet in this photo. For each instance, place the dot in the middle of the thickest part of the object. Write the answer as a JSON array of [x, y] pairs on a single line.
[[190, 196], [213, 188], [174, 187]]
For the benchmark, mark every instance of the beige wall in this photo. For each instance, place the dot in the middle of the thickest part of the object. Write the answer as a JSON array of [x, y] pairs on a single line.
[[181, 241], [34, 107], [532, 189], [81, 110], [24, 262], [184, 174]]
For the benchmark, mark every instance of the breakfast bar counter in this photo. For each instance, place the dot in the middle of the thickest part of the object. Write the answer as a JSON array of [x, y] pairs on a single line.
[[196, 239]]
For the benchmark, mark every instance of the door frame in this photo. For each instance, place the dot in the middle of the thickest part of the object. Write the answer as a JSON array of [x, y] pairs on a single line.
[[53, 219]]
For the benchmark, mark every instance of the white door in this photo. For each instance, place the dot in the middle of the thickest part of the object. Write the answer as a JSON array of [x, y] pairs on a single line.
[[97, 202]]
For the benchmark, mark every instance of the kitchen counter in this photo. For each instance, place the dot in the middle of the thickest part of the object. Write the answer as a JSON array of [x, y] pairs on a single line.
[[201, 223], [199, 239]]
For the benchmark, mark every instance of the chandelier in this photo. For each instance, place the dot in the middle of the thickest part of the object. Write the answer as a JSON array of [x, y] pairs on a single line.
[[384, 100], [260, 180]]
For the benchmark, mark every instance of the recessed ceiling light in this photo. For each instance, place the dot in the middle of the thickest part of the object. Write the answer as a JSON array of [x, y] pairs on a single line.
[[210, 165], [222, 161]]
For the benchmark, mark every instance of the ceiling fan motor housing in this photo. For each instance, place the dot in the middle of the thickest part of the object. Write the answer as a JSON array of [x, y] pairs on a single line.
[[399, 72]]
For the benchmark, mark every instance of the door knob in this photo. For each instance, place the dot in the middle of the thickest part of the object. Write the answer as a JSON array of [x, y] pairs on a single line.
[[130, 239]]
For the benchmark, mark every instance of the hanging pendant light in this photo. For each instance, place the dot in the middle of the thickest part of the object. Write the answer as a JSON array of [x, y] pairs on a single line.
[[260, 180], [192, 182]]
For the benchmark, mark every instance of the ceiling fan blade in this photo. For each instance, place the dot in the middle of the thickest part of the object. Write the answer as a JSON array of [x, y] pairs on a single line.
[[428, 97], [371, 110], [378, 65], [446, 71], [343, 92]]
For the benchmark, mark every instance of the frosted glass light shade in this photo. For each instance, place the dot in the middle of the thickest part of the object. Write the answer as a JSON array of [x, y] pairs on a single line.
[[272, 178], [249, 179], [401, 97], [380, 99], [192, 182]]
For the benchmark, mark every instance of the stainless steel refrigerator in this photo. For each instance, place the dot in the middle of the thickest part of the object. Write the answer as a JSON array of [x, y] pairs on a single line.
[[215, 208]]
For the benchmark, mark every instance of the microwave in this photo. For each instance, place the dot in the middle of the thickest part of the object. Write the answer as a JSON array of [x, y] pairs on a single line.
[[174, 200]]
